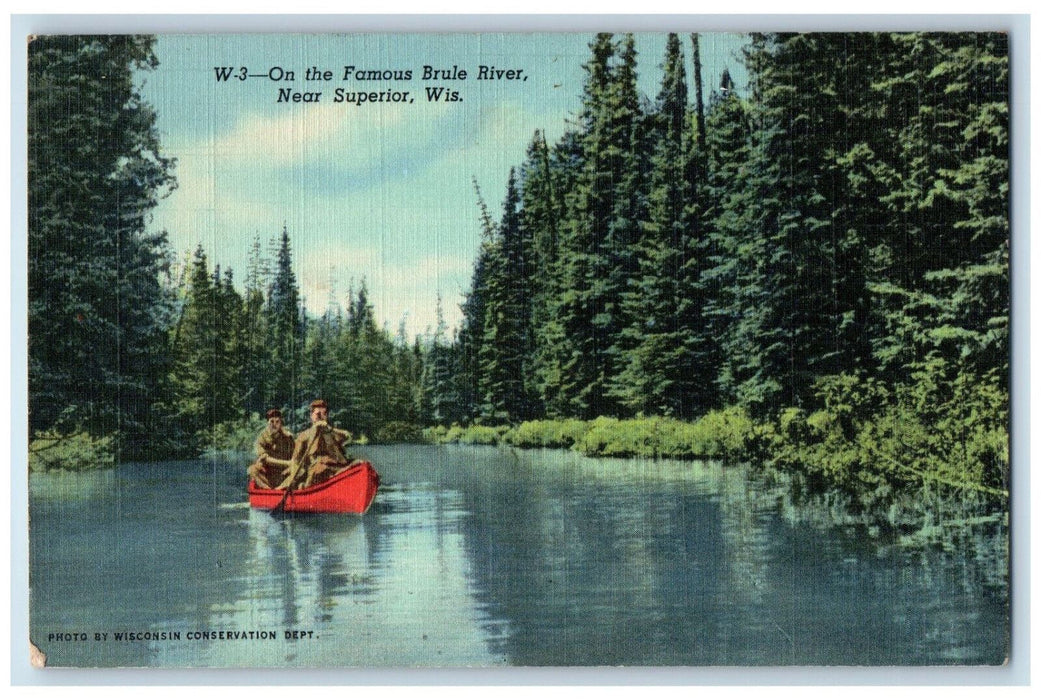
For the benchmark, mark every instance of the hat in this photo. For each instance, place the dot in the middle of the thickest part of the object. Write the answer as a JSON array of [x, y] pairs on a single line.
[[319, 403], [274, 413]]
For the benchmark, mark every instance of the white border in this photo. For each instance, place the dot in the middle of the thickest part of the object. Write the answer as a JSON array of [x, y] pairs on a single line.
[[1015, 674]]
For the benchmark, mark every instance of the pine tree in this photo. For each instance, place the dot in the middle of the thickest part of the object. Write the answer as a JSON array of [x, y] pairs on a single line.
[[553, 173], [603, 208], [539, 217], [700, 392], [657, 374], [472, 333], [441, 398], [728, 272], [256, 359], [285, 330], [406, 380], [799, 305], [939, 168], [197, 349], [230, 351], [503, 360], [318, 377], [97, 312]]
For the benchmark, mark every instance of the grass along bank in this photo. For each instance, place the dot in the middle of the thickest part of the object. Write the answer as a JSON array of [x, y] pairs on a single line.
[[728, 434], [904, 458]]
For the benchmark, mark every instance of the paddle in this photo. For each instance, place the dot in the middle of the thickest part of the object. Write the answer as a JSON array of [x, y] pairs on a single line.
[[289, 489], [282, 503]]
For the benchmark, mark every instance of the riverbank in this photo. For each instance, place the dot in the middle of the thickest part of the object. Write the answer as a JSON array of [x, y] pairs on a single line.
[[890, 469], [77, 451], [725, 434], [893, 466]]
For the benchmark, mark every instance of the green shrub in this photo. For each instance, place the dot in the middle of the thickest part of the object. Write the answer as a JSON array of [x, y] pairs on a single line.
[[485, 435], [469, 435], [610, 437], [725, 434], [436, 435], [946, 431], [720, 434], [548, 433], [455, 433], [51, 450]]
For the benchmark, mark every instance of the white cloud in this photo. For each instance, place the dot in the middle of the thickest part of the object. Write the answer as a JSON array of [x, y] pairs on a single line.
[[381, 192]]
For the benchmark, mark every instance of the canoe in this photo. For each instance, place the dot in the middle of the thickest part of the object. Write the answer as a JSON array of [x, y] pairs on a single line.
[[350, 491]]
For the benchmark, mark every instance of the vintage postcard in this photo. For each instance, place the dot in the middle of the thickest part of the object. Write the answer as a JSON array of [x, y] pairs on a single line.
[[505, 349]]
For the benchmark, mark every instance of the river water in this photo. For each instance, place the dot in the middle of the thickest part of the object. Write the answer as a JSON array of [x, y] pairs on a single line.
[[476, 556]]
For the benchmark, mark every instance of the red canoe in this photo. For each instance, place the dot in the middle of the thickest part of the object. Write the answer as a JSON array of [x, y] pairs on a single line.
[[350, 491]]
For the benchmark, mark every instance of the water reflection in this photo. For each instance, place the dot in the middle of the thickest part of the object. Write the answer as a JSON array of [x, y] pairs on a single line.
[[478, 557], [645, 562], [388, 590]]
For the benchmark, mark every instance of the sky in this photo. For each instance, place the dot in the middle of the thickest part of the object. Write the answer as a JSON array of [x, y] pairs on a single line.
[[379, 191]]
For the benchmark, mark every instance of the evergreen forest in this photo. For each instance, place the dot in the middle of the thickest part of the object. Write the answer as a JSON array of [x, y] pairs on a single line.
[[810, 272]]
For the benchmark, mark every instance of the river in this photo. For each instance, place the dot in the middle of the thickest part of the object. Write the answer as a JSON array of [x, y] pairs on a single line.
[[478, 556]]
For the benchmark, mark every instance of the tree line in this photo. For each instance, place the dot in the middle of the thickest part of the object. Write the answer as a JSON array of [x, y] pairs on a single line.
[[849, 214], [133, 353], [236, 355], [826, 249]]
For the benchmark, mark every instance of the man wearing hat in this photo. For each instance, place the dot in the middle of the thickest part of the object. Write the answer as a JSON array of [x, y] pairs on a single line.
[[319, 452], [274, 452]]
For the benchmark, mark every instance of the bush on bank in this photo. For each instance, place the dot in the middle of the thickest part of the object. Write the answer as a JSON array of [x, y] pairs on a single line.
[[399, 432], [52, 450], [870, 440], [944, 435], [719, 434]]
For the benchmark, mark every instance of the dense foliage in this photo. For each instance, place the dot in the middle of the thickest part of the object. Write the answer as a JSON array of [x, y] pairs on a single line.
[[811, 271], [827, 254], [97, 312], [234, 356], [134, 355]]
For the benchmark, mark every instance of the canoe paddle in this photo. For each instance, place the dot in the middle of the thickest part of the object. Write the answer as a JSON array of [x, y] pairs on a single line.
[[282, 503]]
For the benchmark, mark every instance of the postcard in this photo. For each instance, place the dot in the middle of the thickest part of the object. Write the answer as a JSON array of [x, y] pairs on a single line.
[[506, 349]]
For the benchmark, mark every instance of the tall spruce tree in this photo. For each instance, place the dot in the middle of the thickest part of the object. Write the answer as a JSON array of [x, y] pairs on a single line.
[[938, 166], [319, 357], [539, 217], [97, 312], [504, 355], [594, 246], [197, 350], [231, 347], [727, 272], [285, 329], [700, 393], [255, 360], [551, 175], [406, 384], [656, 371], [471, 332], [440, 384]]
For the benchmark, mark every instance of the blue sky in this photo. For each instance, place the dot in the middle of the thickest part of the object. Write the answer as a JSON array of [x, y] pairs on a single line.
[[381, 191]]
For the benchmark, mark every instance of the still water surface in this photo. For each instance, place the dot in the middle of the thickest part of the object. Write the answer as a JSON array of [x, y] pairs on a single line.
[[486, 557]]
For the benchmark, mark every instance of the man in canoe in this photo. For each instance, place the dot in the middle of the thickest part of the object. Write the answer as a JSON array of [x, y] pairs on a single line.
[[318, 454], [274, 451]]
